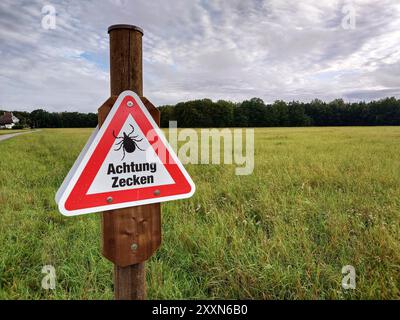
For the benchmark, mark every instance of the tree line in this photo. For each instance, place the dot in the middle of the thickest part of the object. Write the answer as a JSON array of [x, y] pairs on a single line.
[[255, 113], [43, 119], [206, 113]]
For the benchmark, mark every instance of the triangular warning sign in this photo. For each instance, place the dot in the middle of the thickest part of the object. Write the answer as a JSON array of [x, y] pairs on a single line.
[[128, 162]]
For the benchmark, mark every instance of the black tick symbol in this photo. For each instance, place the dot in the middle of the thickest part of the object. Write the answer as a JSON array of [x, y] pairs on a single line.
[[128, 143]]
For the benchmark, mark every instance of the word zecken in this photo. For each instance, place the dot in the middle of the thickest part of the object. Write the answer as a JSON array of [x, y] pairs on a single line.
[[132, 167]]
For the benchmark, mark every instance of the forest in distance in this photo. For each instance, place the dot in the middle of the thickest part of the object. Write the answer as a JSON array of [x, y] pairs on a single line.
[[205, 113]]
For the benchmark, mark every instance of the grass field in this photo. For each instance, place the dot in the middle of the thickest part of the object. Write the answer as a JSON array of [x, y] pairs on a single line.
[[319, 199]]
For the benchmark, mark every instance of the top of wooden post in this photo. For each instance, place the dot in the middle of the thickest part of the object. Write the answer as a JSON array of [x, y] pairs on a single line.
[[125, 26], [126, 61]]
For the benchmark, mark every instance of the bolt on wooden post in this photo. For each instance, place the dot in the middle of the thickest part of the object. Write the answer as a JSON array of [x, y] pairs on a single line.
[[131, 235]]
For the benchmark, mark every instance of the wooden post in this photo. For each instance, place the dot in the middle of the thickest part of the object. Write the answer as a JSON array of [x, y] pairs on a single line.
[[131, 235]]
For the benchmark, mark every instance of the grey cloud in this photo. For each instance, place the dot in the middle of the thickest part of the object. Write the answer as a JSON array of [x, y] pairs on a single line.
[[273, 49]]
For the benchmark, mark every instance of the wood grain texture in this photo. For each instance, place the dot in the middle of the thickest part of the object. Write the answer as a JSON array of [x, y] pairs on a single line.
[[123, 228], [126, 66], [105, 109], [131, 235], [125, 277]]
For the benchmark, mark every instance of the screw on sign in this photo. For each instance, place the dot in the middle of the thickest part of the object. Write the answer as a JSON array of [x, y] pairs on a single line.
[[126, 169]]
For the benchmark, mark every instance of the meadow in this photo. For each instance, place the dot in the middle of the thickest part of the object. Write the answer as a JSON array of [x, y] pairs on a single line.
[[318, 199]]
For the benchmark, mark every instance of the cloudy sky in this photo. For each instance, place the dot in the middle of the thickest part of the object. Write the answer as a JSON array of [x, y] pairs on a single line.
[[221, 49]]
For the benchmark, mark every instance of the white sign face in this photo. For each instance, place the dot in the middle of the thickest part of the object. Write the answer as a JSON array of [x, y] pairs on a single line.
[[127, 162], [122, 170]]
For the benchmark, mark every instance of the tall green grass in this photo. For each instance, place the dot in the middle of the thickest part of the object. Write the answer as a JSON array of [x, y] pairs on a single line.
[[318, 199]]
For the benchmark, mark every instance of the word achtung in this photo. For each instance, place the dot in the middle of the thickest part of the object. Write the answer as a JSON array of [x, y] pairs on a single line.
[[133, 180]]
